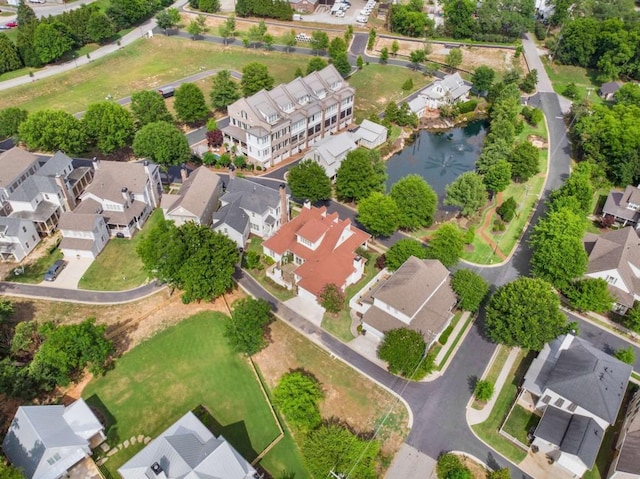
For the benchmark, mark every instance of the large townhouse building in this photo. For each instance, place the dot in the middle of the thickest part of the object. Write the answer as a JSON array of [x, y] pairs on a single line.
[[270, 126]]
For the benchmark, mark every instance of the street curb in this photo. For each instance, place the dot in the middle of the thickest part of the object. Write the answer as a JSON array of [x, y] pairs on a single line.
[[599, 326], [484, 374], [438, 374]]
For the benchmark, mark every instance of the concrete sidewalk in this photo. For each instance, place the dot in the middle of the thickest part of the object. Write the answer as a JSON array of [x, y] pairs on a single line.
[[477, 416], [452, 337]]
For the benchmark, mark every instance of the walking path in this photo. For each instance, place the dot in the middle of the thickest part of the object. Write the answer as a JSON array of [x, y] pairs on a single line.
[[452, 339], [482, 231], [477, 416]]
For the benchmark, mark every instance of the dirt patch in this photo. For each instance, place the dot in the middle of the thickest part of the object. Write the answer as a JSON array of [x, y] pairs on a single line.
[[477, 471], [538, 141], [39, 251], [500, 59], [348, 395]]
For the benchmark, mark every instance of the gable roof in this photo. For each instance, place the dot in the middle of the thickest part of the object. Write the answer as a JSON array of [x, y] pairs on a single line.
[[332, 261], [582, 374], [232, 216], [616, 250], [370, 131], [250, 196], [197, 193], [38, 429], [330, 148], [572, 433], [609, 88], [10, 226], [55, 165], [77, 221], [628, 459], [12, 163], [32, 186], [111, 176], [188, 450], [618, 201]]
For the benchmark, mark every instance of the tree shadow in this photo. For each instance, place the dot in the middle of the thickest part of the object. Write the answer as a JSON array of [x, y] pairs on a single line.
[[471, 382]]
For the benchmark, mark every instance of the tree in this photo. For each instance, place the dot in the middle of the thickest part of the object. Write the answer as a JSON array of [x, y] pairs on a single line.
[[417, 57], [297, 395], [10, 120], [348, 34], [483, 390], [524, 161], [571, 91], [458, 18], [215, 138], [194, 29], [384, 55], [227, 29], [108, 125], [332, 298], [67, 350], [503, 473], [170, 18], [341, 62], [163, 143], [209, 6], [361, 173], [316, 64], [333, 448], [52, 130], [628, 94], [507, 210], [379, 214], [26, 339], [224, 91], [454, 58], [626, 355], [402, 250], [528, 84], [9, 57], [447, 244], [255, 77], [525, 313], [268, 41], [190, 104], [471, 289], [359, 62], [483, 78], [28, 24], [319, 41], [403, 349], [51, 41], [289, 40], [246, 327], [590, 294], [6, 309], [467, 192], [7, 471], [336, 46], [371, 40], [498, 176], [308, 181], [407, 85], [149, 107], [449, 466], [416, 200]]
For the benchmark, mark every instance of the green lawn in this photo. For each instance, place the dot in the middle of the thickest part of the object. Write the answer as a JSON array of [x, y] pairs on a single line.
[[453, 342], [260, 275], [520, 423], [488, 430], [377, 85], [178, 370], [340, 325], [34, 272], [562, 75], [118, 266], [494, 371], [145, 64]]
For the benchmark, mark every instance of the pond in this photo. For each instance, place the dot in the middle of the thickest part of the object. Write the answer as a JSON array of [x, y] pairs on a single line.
[[439, 157]]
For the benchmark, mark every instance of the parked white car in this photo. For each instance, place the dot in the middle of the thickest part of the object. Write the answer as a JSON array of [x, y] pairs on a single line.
[[362, 19]]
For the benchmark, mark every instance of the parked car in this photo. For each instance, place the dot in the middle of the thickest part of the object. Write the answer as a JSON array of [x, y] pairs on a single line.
[[166, 92], [362, 19], [53, 272], [340, 13], [12, 24]]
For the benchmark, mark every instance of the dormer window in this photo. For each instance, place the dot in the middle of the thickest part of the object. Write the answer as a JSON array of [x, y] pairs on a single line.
[[336, 85], [321, 93], [243, 114], [303, 100], [287, 108]]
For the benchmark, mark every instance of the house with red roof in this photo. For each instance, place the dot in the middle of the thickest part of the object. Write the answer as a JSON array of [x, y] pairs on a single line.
[[314, 249]]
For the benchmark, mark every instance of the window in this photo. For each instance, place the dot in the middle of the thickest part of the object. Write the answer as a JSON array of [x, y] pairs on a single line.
[[33, 237], [546, 399], [559, 402], [27, 244], [572, 407], [24, 229], [611, 279]]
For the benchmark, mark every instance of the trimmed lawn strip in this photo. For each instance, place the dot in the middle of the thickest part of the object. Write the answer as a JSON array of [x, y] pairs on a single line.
[[488, 430], [260, 275], [340, 325], [494, 372], [452, 346], [635, 375], [34, 272], [193, 365], [520, 423], [118, 267], [584, 79]]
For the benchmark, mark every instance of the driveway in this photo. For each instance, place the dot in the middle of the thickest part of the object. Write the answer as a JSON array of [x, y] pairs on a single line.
[[307, 308], [71, 274]]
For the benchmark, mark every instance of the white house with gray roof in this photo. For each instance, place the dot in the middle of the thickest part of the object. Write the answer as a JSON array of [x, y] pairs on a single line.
[[370, 134], [17, 238], [270, 126], [198, 199], [188, 450], [45, 442], [16, 165], [447, 91], [579, 390], [249, 208], [83, 234], [331, 151]]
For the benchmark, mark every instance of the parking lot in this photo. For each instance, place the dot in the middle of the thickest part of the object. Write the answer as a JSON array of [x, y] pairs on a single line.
[[323, 14]]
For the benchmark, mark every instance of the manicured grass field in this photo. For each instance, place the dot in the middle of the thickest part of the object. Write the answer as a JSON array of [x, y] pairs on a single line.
[[562, 75], [145, 64], [118, 266], [377, 85], [181, 368], [488, 430], [520, 423]]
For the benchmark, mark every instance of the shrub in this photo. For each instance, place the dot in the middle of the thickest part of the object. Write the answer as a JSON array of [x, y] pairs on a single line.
[[571, 91], [532, 115], [444, 337], [483, 390], [297, 395], [449, 466], [408, 85], [540, 31], [470, 235], [209, 158], [507, 210], [498, 225], [332, 298], [252, 260], [626, 355], [467, 106]]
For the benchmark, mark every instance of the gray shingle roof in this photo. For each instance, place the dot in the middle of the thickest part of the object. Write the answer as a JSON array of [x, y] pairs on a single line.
[[55, 165], [629, 457], [572, 433], [251, 196], [33, 186], [13, 162], [11, 226], [233, 216], [77, 221]]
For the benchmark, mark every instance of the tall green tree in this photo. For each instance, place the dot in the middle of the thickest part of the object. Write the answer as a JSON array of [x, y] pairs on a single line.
[[297, 395], [360, 174], [470, 288], [316, 64], [331, 298], [190, 104], [10, 120], [524, 161], [590, 294], [169, 18], [319, 41], [498, 176], [255, 77], [108, 125], [51, 41], [525, 313], [246, 328], [483, 78], [403, 349], [402, 250], [446, 244], [149, 107], [467, 192], [308, 181], [163, 143], [100, 28], [9, 57], [28, 24], [454, 58], [225, 90], [52, 130], [458, 18], [341, 62], [416, 200], [379, 214]]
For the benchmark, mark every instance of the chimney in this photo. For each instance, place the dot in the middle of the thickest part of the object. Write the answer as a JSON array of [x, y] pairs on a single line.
[[307, 204], [284, 210], [125, 196], [96, 163], [69, 200], [184, 174]]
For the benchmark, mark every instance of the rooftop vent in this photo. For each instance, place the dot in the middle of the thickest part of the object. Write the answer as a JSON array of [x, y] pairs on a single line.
[[156, 468]]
